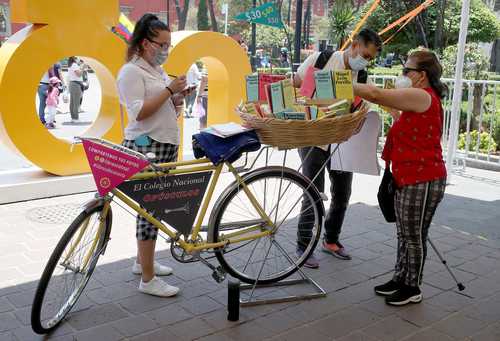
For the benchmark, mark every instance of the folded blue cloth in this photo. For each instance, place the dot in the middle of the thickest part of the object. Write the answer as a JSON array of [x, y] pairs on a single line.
[[229, 149]]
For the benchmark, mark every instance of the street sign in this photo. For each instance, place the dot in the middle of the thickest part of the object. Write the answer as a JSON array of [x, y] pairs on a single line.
[[266, 14]]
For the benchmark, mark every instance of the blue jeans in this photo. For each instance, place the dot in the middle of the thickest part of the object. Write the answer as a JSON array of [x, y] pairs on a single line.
[[42, 95]]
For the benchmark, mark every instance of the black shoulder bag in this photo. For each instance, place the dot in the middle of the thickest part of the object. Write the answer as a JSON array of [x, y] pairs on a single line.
[[385, 196]]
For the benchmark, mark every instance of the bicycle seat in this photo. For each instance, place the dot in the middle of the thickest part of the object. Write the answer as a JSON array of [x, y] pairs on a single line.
[[229, 149]]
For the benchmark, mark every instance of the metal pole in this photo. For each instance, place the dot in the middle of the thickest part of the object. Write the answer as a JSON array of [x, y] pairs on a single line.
[[298, 31], [254, 38], [457, 90]]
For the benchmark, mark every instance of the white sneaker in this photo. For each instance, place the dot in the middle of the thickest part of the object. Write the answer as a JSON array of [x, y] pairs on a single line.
[[160, 270], [157, 287]]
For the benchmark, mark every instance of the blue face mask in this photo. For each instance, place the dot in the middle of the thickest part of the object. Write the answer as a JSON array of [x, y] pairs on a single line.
[[161, 56]]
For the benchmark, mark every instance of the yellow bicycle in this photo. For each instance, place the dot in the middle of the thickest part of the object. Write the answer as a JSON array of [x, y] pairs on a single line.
[[253, 230]]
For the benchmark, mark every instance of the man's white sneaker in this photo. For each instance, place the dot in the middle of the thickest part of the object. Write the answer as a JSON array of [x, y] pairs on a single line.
[[160, 270], [157, 287]]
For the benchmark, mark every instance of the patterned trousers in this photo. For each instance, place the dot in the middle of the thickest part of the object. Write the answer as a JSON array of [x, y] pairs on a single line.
[[415, 206], [164, 152]]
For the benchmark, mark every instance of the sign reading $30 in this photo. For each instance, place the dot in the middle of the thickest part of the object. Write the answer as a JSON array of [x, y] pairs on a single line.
[[83, 28]]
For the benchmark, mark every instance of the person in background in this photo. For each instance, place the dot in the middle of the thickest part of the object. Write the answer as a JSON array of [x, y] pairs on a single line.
[[365, 47], [75, 81], [413, 150], [151, 98], [202, 101], [193, 80], [52, 102], [43, 87]]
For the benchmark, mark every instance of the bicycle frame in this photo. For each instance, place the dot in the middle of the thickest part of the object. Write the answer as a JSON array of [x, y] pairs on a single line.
[[192, 243]]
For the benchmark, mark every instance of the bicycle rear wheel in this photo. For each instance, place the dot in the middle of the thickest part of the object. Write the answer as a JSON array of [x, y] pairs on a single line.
[[295, 208], [70, 267]]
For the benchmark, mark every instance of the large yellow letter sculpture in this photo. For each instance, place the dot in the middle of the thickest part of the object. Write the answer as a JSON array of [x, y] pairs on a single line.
[[82, 27]]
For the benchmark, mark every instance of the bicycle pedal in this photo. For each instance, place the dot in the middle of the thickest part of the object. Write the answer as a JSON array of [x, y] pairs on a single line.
[[219, 275]]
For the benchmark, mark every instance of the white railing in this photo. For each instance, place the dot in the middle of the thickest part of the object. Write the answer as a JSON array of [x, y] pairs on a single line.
[[486, 122]]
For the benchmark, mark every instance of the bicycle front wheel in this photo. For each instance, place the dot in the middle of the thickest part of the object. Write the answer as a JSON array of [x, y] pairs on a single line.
[[294, 206], [69, 268]]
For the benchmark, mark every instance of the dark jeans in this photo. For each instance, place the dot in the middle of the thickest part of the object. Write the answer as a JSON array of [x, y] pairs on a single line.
[[42, 96], [340, 191]]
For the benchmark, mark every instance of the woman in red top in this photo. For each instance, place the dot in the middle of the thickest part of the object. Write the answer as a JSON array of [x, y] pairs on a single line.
[[413, 147]]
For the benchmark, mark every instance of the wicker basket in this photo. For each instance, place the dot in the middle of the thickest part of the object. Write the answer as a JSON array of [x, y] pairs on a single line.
[[298, 133]]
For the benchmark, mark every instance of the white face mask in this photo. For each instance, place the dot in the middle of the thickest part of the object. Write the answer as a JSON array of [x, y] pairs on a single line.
[[403, 82], [358, 63]]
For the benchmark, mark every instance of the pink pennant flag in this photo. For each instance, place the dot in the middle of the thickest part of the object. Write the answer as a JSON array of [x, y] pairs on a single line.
[[110, 165], [308, 85]]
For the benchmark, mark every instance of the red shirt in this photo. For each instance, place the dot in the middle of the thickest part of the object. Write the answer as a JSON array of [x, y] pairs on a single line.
[[413, 145]]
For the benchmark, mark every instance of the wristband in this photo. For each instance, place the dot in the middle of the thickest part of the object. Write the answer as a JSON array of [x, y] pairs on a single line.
[[169, 90]]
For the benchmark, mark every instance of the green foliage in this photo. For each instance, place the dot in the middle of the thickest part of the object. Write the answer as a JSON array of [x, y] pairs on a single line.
[[275, 70], [475, 62], [340, 21], [267, 37], [484, 140], [202, 17], [483, 24]]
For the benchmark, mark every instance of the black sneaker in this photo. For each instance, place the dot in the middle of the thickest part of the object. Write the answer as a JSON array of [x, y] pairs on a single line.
[[404, 296], [388, 288]]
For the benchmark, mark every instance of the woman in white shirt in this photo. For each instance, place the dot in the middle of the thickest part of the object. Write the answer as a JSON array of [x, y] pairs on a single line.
[[75, 80], [150, 98]]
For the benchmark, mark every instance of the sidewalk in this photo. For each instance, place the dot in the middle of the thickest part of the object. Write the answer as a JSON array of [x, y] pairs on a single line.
[[465, 231]]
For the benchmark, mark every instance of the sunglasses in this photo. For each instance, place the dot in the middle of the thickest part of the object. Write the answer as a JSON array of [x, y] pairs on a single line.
[[407, 70]]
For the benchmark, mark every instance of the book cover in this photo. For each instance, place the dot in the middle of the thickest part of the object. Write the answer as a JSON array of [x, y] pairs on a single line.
[[324, 84], [251, 109], [313, 112], [288, 94], [388, 84], [343, 84], [294, 115], [278, 104], [269, 97], [252, 88], [308, 85]]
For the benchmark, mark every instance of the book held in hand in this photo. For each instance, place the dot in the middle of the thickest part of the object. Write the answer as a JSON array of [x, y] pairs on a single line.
[[325, 88], [343, 84]]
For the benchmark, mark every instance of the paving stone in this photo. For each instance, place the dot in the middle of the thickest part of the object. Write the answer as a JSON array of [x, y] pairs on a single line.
[[279, 322], [134, 325], [306, 332], [380, 248], [378, 306], [450, 301], [5, 305], [422, 314], [248, 331], [159, 334], [443, 280], [23, 315], [7, 337], [357, 336], [106, 332], [112, 293], [8, 322], [218, 319], [486, 310], [200, 305], [331, 283], [371, 269], [481, 266], [429, 291], [344, 322], [351, 277], [459, 326], [142, 303], [169, 315], [215, 337], [192, 329], [97, 316], [428, 334], [490, 333], [391, 328]]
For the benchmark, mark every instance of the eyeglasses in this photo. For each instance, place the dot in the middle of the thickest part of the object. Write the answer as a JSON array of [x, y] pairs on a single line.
[[162, 46], [407, 70]]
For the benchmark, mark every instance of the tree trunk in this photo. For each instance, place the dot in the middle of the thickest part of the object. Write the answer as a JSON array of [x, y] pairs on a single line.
[[421, 31], [438, 38], [182, 14], [213, 19]]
